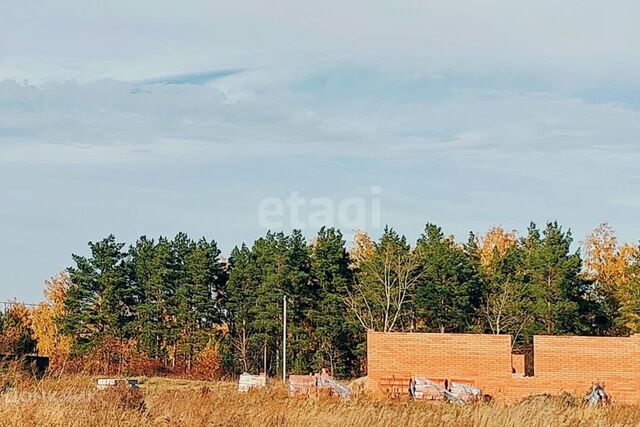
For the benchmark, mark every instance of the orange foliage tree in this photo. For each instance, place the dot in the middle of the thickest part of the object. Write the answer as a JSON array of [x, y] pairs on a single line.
[[630, 310], [16, 335], [495, 244], [361, 250], [208, 363], [46, 321], [610, 265]]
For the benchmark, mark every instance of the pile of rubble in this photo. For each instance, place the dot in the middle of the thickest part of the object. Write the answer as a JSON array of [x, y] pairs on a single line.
[[306, 384], [449, 391]]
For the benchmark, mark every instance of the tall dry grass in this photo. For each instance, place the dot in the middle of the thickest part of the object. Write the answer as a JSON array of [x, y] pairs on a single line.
[[73, 401]]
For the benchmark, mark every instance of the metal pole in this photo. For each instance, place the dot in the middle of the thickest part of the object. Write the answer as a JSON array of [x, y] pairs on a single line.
[[264, 360], [284, 339]]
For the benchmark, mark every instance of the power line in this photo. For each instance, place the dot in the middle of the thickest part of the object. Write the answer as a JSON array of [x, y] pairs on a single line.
[[8, 304], [18, 303]]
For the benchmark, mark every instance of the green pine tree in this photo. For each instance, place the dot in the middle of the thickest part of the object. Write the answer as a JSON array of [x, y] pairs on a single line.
[[199, 293], [270, 257], [335, 335], [555, 288], [151, 270], [242, 288], [443, 294], [101, 301]]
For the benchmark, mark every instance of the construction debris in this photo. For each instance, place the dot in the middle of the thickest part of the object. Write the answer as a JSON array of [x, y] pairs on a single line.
[[359, 385], [342, 390], [301, 384], [597, 396], [248, 382], [423, 388], [454, 392], [306, 384], [396, 387], [462, 393]]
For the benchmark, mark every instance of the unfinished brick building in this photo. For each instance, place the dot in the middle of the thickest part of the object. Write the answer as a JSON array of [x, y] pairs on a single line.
[[558, 363]]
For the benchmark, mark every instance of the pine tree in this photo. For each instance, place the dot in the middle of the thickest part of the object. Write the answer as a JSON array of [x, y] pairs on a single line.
[[334, 333], [554, 285], [198, 296], [270, 257], [302, 298], [151, 273], [442, 297], [472, 251], [100, 302], [242, 288]]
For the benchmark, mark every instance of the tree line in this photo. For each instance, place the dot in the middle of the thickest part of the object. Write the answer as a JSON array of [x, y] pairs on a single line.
[[177, 305]]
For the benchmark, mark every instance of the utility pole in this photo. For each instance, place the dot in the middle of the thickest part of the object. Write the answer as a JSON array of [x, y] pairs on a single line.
[[264, 360], [284, 339]]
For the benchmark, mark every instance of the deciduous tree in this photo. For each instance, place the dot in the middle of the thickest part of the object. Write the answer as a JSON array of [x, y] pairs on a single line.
[[381, 296], [607, 264], [47, 319]]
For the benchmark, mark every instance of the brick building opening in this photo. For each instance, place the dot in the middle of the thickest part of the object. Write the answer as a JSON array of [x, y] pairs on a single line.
[[557, 363]]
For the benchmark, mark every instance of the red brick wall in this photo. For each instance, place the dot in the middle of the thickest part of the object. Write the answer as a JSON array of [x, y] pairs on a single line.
[[482, 359], [573, 363], [560, 363], [517, 362]]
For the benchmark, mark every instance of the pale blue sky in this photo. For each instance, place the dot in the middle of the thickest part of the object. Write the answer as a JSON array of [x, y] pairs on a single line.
[[155, 118]]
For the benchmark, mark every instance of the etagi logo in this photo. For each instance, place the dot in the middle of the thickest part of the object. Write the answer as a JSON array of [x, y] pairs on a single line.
[[300, 212]]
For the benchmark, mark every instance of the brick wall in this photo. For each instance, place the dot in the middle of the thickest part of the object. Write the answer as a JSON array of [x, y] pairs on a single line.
[[484, 360], [573, 363], [517, 363], [560, 363]]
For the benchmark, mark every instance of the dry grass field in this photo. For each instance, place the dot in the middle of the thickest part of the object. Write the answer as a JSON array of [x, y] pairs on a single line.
[[73, 401]]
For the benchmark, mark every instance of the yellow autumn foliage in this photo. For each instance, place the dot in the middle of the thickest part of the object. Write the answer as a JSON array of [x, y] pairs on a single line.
[[495, 244], [609, 265], [362, 248], [16, 329], [45, 320]]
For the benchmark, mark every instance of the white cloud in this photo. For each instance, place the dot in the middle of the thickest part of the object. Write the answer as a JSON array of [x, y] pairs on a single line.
[[467, 115], [572, 42], [266, 113]]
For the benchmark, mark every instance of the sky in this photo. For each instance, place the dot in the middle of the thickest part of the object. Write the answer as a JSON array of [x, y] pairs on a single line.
[[154, 117]]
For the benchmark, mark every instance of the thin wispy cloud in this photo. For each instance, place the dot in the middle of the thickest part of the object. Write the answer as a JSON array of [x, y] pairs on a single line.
[[195, 78]]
